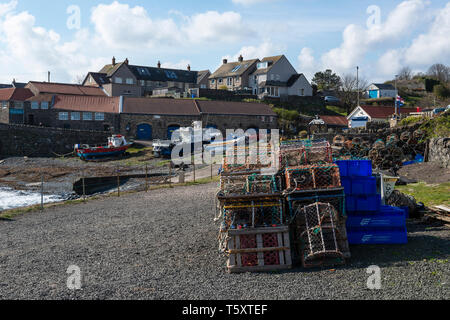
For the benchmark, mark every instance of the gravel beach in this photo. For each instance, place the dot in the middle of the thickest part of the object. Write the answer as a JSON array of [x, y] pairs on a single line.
[[163, 245]]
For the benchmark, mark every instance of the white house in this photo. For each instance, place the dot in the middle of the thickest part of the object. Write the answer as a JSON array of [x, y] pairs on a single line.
[[276, 77], [379, 90], [363, 114]]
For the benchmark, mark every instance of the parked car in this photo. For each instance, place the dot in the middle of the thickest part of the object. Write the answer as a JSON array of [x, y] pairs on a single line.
[[331, 99]]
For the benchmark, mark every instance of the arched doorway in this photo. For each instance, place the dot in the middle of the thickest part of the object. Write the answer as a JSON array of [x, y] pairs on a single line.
[[144, 132], [171, 129]]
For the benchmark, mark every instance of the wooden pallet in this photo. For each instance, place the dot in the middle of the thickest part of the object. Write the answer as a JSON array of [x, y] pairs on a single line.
[[249, 251]]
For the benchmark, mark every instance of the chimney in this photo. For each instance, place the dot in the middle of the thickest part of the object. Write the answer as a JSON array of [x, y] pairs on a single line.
[[189, 67], [114, 61], [241, 58], [225, 61], [159, 64], [14, 82], [126, 61]]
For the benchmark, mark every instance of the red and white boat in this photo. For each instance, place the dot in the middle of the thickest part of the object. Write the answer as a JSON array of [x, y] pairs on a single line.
[[117, 146]]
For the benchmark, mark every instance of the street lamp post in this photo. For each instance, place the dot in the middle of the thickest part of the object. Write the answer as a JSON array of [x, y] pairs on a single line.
[[357, 83]]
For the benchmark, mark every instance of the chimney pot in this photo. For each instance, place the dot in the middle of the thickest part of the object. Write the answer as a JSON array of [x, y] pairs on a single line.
[[159, 64], [114, 61], [225, 61], [241, 58], [127, 61], [189, 67]]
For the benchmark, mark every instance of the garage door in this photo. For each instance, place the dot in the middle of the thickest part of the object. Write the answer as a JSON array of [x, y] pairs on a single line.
[[144, 132], [170, 131]]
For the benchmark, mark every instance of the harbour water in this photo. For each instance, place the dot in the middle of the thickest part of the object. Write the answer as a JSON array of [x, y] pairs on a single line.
[[11, 199]]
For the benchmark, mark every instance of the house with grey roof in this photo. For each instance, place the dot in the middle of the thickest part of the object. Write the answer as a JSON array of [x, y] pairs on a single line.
[[124, 79], [233, 76], [275, 77], [203, 79], [381, 90]]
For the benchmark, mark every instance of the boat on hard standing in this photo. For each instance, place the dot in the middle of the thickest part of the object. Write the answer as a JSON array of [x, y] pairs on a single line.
[[117, 146]]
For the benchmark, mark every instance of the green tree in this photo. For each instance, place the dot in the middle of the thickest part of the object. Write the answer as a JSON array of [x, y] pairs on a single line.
[[327, 80]]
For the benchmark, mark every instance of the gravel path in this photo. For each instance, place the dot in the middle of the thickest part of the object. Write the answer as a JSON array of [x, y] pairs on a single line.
[[162, 245]]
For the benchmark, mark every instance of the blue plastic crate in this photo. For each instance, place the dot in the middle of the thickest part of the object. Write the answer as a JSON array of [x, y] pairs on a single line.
[[359, 168], [347, 185], [406, 210], [364, 186], [377, 222], [363, 204], [343, 167], [389, 210], [389, 236]]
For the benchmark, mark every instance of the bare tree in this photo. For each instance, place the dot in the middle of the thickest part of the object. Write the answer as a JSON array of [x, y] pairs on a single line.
[[440, 72], [79, 79], [350, 87], [405, 73]]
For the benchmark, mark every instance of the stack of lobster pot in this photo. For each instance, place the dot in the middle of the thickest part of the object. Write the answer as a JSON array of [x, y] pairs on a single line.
[[315, 199], [254, 234]]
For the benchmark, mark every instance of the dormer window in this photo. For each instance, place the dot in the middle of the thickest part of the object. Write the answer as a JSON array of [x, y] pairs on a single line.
[[263, 65]]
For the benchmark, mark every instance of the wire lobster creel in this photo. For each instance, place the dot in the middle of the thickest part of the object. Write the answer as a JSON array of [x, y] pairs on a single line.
[[312, 177], [319, 239], [241, 184]]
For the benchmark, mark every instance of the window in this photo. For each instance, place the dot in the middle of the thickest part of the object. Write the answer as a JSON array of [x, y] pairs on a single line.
[[118, 80], [130, 81], [75, 116], [18, 104], [236, 68], [4, 104], [44, 105], [272, 77], [262, 65], [63, 116], [302, 92], [213, 81], [99, 116], [203, 86], [278, 77], [142, 83], [87, 116], [220, 80], [230, 81], [34, 105]]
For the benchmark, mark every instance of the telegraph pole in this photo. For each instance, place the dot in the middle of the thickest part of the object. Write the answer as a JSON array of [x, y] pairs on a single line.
[[357, 83]]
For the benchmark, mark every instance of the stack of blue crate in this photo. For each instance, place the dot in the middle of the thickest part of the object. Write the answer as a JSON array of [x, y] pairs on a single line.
[[368, 221]]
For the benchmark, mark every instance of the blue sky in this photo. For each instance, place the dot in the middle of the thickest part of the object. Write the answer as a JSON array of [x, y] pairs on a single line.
[[313, 34]]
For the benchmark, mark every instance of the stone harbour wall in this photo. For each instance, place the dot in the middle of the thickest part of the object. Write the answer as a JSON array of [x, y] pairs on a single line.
[[30, 141], [440, 151]]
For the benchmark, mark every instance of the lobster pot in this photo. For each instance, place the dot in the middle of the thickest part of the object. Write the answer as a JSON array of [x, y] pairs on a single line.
[[240, 184], [249, 159], [313, 177], [262, 249], [253, 213], [319, 238], [305, 153], [298, 200]]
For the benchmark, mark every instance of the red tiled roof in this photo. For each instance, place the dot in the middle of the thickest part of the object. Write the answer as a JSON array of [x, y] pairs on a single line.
[[87, 103], [378, 112], [18, 94], [65, 88], [335, 120], [159, 106], [235, 108]]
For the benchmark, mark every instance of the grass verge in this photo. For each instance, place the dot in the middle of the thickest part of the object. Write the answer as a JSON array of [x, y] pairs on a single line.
[[429, 194]]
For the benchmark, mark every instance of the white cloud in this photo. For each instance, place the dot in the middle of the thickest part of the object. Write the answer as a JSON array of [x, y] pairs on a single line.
[[7, 7], [251, 2], [182, 65], [358, 42]]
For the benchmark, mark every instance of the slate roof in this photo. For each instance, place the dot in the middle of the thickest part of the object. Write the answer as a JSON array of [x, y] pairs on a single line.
[[202, 74], [17, 94], [275, 83], [163, 74], [233, 69], [65, 88], [100, 78], [384, 86], [271, 61]]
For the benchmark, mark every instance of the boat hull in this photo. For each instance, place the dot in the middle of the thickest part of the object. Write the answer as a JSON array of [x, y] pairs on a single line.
[[90, 154]]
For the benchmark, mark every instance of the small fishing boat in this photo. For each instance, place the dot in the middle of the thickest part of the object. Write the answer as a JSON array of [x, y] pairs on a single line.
[[117, 146]]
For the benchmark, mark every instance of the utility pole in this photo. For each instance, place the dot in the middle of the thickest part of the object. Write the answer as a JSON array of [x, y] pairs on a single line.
[[48, 76], [396, 95], [357, 83]]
